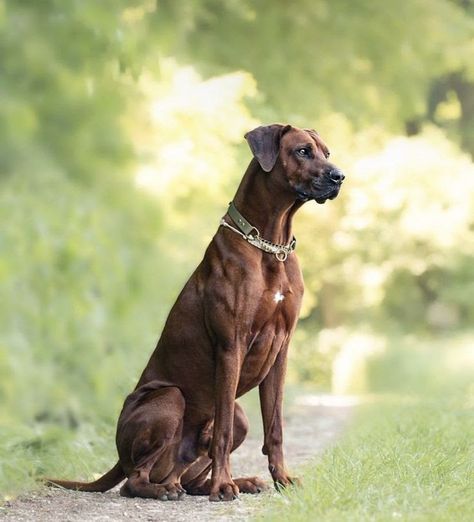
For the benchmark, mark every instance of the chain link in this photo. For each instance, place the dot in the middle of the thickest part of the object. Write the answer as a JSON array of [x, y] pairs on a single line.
[[281, 252]]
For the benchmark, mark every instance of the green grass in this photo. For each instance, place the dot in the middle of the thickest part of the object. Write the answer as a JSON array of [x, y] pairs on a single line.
[[407, 456], [29, 453]]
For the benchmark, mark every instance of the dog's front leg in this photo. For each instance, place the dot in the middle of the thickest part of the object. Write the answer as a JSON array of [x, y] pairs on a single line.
[[226, 380], [271, 398]]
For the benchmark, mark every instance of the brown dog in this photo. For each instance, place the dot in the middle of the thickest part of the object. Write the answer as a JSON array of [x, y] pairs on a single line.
[[227, 333]]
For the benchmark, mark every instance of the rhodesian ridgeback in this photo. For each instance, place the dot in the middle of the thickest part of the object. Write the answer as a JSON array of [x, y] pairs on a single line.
[[227, 333]]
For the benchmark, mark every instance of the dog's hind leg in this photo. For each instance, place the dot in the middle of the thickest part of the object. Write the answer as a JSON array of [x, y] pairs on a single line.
[[148, 437]]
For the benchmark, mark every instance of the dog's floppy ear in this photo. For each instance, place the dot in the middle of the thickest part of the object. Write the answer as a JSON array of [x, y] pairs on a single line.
[[264, 143]]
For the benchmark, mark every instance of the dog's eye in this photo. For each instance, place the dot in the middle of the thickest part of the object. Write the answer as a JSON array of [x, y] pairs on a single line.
[[327, 154], [303, 151]]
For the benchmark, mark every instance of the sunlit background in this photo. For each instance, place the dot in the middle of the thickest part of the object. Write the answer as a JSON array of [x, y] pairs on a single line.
[[121, 143]]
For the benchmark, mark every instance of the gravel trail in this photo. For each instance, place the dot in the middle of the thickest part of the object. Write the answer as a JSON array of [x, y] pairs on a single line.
[[311, 425]]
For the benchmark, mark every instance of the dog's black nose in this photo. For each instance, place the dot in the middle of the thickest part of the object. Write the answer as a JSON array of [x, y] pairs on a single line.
[[336, 175]]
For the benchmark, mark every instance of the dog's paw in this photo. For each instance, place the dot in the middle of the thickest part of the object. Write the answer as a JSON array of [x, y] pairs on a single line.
[[225, 491], [170, 491], [285, 481], [250, 485]]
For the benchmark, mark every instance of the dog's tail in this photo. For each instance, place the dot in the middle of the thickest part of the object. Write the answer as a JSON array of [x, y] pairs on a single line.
[[104, 483]]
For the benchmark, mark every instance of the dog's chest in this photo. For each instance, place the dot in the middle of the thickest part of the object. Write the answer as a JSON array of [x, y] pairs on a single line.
[[280, 296], [273, 324], [278, 299]]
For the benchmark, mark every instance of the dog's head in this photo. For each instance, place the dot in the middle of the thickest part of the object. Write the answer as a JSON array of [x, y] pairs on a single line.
[[299, 158]]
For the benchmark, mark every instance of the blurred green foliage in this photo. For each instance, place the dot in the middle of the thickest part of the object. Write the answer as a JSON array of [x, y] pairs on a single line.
[[372, 61], [121, 126]]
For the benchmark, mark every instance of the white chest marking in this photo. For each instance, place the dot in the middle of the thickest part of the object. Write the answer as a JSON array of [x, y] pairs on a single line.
[[278, 297]]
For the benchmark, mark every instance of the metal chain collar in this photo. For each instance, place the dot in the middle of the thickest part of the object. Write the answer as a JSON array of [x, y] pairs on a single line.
[[252, 235]]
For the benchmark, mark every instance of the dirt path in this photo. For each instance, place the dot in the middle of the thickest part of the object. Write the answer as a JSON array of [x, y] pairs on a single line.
[[309, 428]]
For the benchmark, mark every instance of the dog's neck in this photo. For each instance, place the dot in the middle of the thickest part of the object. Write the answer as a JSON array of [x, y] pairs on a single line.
[[267, 207]]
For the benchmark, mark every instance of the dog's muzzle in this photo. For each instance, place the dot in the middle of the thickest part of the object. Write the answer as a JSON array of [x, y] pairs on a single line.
[[323, 188]]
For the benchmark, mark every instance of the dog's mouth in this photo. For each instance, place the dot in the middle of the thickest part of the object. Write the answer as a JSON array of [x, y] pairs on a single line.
[[331, 195], [320, 198]]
